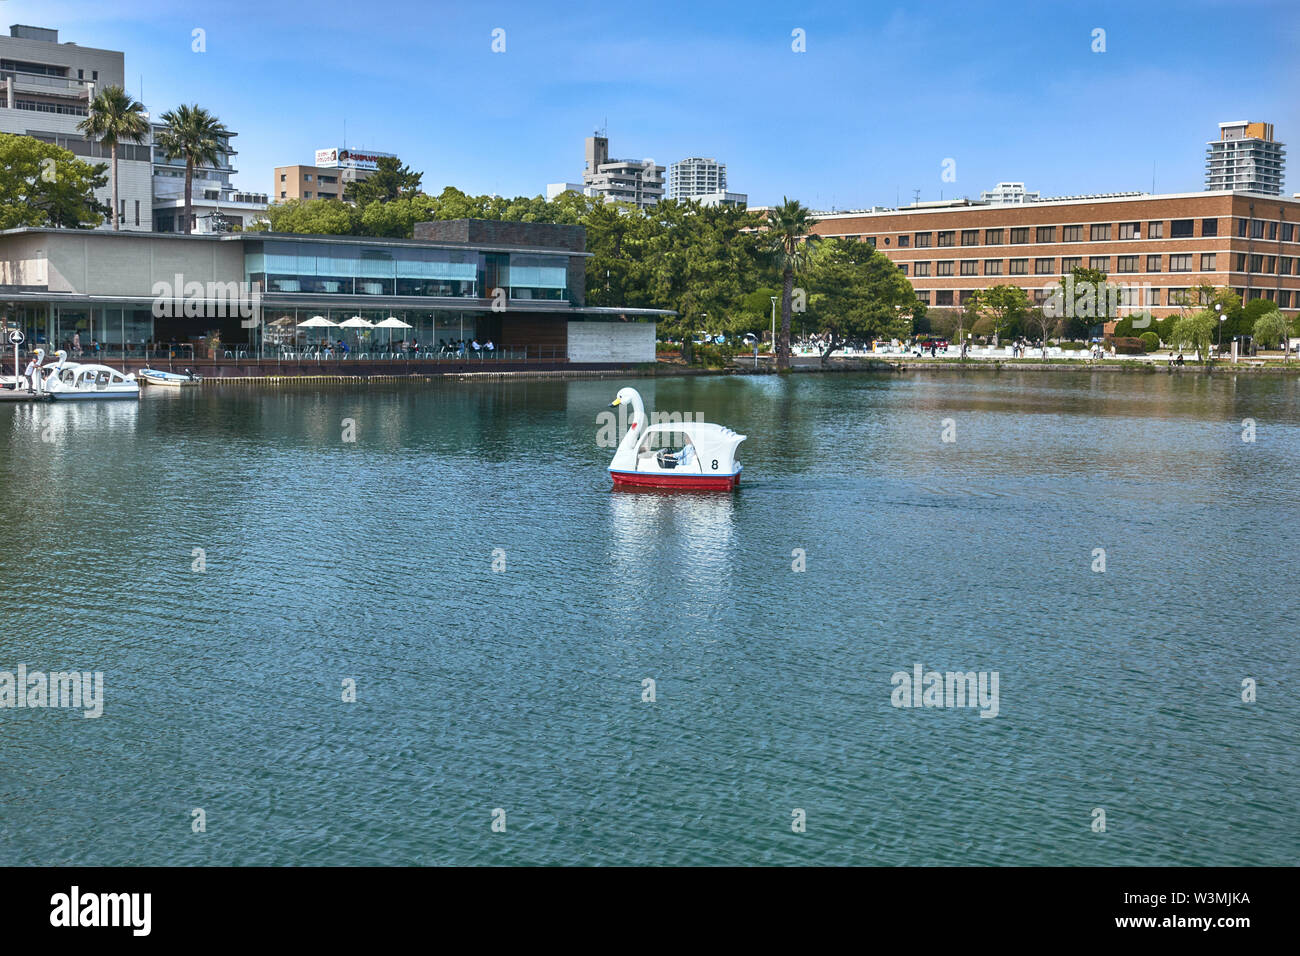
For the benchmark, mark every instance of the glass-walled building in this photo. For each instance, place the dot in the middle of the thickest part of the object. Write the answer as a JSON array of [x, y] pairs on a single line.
[[327, 267], [255, 295]]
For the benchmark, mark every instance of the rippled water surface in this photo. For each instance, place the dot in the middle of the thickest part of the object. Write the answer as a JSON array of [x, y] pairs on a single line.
[[522, 689]]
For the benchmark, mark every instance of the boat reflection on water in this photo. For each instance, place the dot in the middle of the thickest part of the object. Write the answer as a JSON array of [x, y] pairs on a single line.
[[688, 536], [52, 422]]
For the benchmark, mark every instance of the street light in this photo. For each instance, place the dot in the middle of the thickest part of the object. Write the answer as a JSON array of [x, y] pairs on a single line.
[[1218, 307], [773, 298]]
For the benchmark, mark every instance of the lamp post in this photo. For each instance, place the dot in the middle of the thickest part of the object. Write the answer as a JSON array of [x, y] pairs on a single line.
[[1218, 307], [773, 298]]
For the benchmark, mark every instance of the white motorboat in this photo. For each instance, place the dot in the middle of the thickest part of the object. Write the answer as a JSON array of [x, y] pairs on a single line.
[[170, 379], [72, 381]]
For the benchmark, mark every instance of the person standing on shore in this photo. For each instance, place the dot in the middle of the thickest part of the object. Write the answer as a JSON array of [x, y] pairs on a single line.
[[32, 374]]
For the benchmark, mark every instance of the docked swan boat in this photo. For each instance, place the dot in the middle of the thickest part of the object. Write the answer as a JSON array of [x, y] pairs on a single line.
[[705, 462], [169, 379], [72, 381]]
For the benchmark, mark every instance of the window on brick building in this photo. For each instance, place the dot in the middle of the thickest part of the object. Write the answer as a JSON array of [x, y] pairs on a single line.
[[1130, 230], [1044, 267], [1019, 267], [1045, 234], [943, 267], [1156, 229], [970, 237], [1180, 263], [1181, 228], [993, 267], [1153, 263], [1126, 264], [1072, 233], [1101, 263], [993, 237], [1020, 235], [1209, 227], [1099, 232], [970, 267]]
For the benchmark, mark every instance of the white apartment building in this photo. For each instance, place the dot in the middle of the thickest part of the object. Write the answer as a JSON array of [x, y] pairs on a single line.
[[696, 176], [637, 181], [1008, 194], [45, 91], [215, 207], [1245, 157]]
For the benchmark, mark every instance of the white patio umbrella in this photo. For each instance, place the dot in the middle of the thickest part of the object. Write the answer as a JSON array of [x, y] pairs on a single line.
[[390, 323], [317, 322], [358, 323]]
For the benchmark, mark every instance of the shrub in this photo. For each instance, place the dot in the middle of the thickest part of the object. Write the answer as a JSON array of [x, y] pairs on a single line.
[[713, 356], [1150, 341]]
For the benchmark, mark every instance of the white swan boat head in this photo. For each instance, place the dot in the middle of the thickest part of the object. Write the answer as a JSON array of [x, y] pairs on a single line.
[[706, 459]]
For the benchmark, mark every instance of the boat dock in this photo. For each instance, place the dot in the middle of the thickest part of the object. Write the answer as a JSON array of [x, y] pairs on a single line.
[[22, 395]]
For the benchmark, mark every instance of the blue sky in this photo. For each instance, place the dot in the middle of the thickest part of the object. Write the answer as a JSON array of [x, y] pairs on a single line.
[[884, 94]]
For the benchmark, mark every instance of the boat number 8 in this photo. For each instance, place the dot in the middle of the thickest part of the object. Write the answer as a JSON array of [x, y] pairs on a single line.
[[715, 464]]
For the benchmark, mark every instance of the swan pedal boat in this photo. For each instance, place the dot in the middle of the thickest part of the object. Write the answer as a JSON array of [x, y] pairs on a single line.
[[707, 462], [72, 381], [170, 379]]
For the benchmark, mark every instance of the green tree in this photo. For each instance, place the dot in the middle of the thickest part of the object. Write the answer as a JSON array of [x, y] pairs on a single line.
[[44, 185], [114, 118], [857, 293], [1272, 329], [1084, 302], [321, 217], [195, 135], [390, 180], [1196, 330], [1003, 305], [789, 225]]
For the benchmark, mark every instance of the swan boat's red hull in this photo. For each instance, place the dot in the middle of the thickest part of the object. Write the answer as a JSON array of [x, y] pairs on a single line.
[[643, 479]]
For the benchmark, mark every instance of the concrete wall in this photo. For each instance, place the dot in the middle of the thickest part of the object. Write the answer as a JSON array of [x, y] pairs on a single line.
[[92, 263], [611, 341], [22, 261]]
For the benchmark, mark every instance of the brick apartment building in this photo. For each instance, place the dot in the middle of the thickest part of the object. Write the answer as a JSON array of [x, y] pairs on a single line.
[[1249, 242]]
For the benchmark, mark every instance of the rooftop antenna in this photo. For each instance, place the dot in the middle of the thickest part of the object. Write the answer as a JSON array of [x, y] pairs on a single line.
[[916, 195]]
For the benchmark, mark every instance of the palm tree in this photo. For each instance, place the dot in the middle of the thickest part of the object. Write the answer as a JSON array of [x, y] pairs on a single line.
[[788, 229], [115, 118], [194, 134]]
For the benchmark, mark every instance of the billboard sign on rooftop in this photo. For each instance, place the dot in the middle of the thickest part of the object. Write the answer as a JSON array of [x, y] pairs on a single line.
[[349, 158]]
